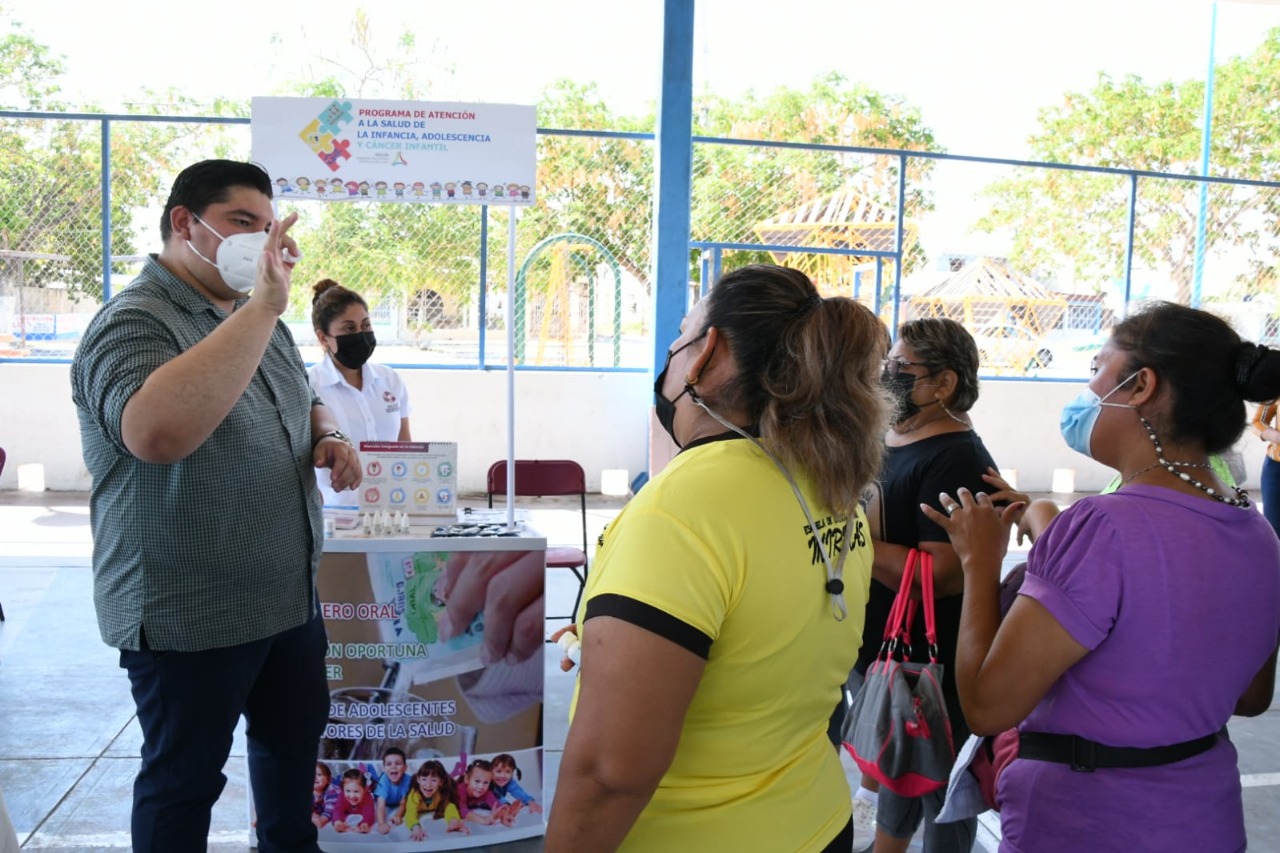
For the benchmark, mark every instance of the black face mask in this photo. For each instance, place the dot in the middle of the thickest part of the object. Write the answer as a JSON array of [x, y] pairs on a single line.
[[354, 349], [900, 388], [666, 409]]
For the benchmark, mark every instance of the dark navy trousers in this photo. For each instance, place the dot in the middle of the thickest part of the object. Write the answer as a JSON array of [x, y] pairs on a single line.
[[1271, 492], [188, 705]]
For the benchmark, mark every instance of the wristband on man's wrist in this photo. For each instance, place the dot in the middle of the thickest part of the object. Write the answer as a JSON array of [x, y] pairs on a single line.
[[333, 433]]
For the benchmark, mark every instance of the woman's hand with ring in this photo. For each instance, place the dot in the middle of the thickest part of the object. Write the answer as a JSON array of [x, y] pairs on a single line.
[[1006, 494], [978, 531]]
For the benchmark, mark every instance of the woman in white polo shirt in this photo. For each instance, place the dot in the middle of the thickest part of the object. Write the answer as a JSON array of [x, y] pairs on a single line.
[[368, 400]]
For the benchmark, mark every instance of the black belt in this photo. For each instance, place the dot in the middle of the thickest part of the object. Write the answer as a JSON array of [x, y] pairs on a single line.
[[1087, 755]]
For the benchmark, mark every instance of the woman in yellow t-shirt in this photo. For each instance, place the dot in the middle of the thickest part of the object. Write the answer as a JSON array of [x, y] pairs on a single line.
[[725, 606]]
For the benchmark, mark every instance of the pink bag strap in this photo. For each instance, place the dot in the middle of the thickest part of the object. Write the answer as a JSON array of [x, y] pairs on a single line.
[[896, 613], [903, 614], [913, 607], [894, 625], [926, 594]]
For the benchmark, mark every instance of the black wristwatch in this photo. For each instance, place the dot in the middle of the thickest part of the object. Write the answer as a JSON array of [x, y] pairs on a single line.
[[333, 433]]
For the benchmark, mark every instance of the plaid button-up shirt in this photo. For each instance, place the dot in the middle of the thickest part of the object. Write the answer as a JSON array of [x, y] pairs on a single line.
[[221, 547]]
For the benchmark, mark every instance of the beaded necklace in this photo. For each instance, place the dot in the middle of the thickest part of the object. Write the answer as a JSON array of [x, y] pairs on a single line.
[[1241, 499]]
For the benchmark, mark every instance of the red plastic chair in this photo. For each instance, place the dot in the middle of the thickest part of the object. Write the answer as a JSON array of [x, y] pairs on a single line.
[[543, 478]]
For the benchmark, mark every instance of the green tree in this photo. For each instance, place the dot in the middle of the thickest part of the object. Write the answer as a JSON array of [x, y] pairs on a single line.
[[425, 258], [737, 188], [1078, 220], [603, 187], [50, 211]]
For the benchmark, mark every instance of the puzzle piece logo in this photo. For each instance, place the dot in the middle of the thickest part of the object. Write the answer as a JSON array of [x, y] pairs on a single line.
[[321, 134]]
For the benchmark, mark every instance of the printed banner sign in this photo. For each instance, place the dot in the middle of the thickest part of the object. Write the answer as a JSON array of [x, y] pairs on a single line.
[[352, 149], [416, 477], [428, 747]]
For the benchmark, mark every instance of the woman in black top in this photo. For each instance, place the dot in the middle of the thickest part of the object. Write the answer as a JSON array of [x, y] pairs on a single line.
[[932, 371]]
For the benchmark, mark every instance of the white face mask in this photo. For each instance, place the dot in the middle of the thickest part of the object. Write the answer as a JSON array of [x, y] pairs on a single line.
[[237, 257]]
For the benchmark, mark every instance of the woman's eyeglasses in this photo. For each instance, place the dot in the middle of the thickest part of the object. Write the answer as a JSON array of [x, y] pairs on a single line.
[[893, 366]]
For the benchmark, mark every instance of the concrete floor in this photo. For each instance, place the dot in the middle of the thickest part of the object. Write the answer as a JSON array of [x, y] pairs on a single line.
[[69, 743]]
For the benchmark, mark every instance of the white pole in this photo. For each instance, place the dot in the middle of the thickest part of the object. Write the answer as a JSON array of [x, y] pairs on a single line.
[[511, 368]]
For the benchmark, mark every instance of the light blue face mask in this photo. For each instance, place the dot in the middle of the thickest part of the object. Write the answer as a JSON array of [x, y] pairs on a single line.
[[1079, 416]]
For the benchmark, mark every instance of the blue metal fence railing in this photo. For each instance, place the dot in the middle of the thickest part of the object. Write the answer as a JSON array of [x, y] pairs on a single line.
[[1046, 254]]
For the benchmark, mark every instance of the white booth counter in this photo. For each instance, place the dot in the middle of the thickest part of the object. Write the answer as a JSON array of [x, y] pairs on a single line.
[[400, 685], [419, 537]]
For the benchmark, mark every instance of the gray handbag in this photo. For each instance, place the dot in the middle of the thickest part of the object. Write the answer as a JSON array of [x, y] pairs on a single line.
[[897, 729]]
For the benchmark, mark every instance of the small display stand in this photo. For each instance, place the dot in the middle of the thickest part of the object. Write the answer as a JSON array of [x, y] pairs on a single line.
[[416, 477]]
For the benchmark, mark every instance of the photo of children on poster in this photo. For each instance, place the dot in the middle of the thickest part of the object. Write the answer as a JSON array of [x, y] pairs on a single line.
[[427, 746], [443, 803]]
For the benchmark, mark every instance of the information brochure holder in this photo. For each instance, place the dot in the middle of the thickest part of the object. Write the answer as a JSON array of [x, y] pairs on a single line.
[[415, 477]]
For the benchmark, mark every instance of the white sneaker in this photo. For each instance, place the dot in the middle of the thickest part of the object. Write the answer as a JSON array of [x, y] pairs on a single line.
[[864, 825]]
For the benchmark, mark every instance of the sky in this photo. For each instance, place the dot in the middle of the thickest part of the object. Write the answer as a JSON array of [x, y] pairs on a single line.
[[979, 71]]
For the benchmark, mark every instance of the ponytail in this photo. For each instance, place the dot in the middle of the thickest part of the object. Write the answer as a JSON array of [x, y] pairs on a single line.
[[809, 376], [827, 412]]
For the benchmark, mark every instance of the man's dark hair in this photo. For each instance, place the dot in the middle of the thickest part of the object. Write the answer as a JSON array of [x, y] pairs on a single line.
[[209, 182]]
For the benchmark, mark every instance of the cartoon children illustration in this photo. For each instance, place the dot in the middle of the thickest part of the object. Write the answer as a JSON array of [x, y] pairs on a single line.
[[506, 786], [481, 189], [399, 188], [336, 187], [353, 189], [324, 796], [380, 188], [513, 190], [466, 189], [364, 188], [450, 189], [524, 192], [433, 795], [435, 189], [284, 185], [322, 186], [304, 185], [499, 189], [392, 788], [419, 189], [354, 812]]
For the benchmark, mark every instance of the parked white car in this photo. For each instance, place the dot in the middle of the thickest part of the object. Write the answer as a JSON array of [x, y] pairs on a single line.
[[1007, 345]]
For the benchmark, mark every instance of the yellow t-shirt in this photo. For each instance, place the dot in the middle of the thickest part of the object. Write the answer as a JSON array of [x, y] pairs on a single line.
[[418, 810], [719, 541]]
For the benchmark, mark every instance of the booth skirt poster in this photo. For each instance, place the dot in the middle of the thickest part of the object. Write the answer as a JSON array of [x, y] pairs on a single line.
[[427, 748]]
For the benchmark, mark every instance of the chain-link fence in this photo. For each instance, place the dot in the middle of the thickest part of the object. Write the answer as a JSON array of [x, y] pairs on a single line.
[[435, 277], [1036, 260]]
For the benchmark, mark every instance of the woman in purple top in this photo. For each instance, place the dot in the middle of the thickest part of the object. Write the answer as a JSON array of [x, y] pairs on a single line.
[[1148, 616]]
